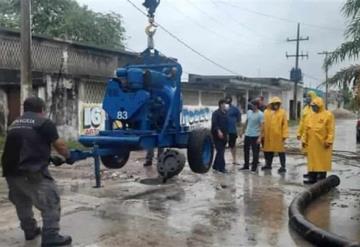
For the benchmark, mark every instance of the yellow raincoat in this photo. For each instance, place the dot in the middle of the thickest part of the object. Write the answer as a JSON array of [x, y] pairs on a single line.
[[275, 129], [306, 111], [319, 132]]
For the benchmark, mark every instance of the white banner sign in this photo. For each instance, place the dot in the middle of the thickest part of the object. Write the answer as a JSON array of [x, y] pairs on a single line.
[[197, 116], [92, 119]]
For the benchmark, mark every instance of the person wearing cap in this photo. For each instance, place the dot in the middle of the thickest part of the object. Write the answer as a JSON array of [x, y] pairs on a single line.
[[274, 134], [310, 96], [219, 130], [318, 139], [253, 126], [234, 120]]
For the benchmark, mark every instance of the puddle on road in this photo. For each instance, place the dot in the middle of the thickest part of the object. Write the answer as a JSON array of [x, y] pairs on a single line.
[[237, 209], [338, 214]]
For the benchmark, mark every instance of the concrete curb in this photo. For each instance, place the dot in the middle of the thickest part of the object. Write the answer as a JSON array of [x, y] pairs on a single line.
[[309, 231]]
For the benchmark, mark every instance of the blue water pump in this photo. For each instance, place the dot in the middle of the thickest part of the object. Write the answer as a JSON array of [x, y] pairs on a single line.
[[143, 105]]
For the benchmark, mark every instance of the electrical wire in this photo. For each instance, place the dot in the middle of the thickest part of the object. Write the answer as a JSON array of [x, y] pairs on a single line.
[[215, 33], [241, 8], [228, 15], [185, 44], [215, 20], [311, 77]]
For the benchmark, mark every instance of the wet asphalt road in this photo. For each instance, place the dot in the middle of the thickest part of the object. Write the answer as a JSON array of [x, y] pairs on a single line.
[[236, 209]]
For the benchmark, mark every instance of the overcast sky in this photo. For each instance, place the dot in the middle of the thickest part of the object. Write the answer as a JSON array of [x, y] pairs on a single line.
[[245, 36]]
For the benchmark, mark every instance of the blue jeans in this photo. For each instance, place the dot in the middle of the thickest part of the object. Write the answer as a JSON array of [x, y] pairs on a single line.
[[219, 163]]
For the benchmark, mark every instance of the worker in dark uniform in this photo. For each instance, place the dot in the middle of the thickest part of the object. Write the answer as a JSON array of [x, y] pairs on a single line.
[[219, 130], [25, 166]]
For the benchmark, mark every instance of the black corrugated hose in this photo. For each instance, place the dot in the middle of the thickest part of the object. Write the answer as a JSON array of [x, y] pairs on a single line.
[[306, 229]]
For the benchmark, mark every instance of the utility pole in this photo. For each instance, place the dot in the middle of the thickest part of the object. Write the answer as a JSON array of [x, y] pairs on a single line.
[[26, 77], [326, 54], [296, 74]]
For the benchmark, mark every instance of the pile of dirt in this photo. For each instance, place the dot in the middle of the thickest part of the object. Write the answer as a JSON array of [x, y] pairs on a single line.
[[343, 114]]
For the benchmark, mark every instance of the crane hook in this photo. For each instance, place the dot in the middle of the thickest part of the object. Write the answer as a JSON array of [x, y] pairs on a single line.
[[150, 31]]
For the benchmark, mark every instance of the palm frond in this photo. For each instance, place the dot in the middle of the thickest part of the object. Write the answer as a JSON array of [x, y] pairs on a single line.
[[351, 8], [346, 76], [347, 50], [352, 30]]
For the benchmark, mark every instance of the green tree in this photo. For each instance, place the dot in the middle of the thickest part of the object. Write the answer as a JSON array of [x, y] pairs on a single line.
[[348, 78], [68, 20]]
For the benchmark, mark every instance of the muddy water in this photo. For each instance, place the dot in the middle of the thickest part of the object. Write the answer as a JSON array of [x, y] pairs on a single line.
[[237, 209]]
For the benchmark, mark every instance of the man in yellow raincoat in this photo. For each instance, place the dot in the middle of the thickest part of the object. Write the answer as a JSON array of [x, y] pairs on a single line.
[[275, 132], [318, 139], [310, 96]]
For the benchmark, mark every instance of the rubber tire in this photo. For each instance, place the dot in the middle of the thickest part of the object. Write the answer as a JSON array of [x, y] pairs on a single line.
[[174, 173], [115, 161], [195, 150]]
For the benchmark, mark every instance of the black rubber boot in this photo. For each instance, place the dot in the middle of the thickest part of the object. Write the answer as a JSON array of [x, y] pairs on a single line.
[[148, 163], [55, 240], [31, 235], [281, 170], [312, 178], [245, 167], [266, 167], [321, 175]]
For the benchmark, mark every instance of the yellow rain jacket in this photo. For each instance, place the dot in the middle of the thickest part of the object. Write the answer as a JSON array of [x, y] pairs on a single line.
[[306, 111], [318, 131], [275, 128]]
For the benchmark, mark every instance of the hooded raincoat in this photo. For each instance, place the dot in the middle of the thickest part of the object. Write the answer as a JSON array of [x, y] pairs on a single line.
[[305, 113], [318, 134], [275, 128]]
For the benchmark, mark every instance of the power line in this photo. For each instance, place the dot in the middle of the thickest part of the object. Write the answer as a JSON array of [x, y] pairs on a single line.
[[242, 24], [184, 43], [297, 40], [326, 54], [279, 18], [295, 74], [213, 32], [311, 77], [215, 20]]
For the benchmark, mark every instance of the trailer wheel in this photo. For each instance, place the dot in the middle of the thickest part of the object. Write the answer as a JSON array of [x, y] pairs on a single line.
[[115, 161], [200, 150]]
